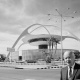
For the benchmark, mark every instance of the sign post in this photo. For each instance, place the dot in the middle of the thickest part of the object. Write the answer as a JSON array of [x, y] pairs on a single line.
[[10, 51]]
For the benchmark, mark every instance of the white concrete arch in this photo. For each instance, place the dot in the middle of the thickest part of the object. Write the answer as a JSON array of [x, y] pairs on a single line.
[[25, 32]]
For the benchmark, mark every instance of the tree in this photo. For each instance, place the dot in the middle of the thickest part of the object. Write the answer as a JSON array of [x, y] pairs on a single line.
[[2, 57], [77, 54]]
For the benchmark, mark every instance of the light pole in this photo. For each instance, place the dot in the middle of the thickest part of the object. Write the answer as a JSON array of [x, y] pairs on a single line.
[[61, 37], [61, 33], [61, 15]]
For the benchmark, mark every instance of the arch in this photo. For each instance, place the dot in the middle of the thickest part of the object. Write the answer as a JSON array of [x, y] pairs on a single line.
[[23, 34], [26, 32]]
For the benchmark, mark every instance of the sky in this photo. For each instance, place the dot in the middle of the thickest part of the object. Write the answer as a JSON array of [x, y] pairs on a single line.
[[17, 15]]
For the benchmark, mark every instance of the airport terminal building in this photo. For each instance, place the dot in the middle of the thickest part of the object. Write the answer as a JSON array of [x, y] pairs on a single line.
[[46, 38], [36, 54]]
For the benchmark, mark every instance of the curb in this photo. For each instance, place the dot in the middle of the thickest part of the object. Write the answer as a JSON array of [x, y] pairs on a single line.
[[51, 67], [19, 68]]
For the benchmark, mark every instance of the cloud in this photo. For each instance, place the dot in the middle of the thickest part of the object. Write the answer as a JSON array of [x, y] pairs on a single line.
[[73, 25], [17, 15], [23, 13], [6, 40]]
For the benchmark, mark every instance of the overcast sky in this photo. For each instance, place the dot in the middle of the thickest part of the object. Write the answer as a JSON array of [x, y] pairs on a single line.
[[17, 15]]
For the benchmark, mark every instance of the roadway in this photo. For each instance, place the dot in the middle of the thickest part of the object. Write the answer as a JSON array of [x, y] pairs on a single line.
[[29, 74]]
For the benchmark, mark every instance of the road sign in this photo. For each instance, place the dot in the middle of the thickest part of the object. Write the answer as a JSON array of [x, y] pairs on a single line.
[[10, 49]]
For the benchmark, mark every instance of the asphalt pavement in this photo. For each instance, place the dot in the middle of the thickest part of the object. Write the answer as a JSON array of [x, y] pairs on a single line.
[[29, 74]]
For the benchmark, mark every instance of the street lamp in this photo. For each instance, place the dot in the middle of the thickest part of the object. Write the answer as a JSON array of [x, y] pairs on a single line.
[[61, 37], [61, 15], [61, 32]]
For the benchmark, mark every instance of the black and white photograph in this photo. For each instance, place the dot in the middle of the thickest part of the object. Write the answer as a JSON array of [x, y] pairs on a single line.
[[39, 39]]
